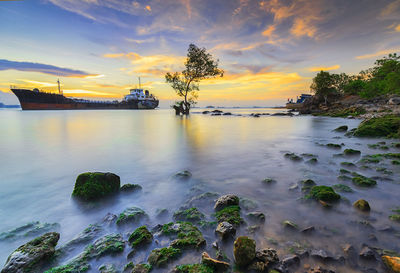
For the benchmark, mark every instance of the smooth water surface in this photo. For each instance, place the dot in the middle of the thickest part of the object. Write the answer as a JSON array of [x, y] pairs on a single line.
[[42, 152]]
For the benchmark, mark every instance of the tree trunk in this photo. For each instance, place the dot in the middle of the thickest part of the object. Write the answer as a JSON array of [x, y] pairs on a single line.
[[187, 107]]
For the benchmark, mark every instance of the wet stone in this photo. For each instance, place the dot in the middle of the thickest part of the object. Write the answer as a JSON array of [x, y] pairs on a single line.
[[225, 230], [226, 201]]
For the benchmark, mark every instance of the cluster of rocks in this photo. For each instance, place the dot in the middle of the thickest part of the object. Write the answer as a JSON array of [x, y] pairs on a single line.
[[255, 115]]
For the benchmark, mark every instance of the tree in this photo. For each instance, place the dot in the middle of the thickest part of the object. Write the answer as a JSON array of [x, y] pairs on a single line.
[[324, 85], [199, 65]]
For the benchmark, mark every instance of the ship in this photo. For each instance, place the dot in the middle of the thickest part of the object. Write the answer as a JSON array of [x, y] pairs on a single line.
[[35, 99], [299, 102]]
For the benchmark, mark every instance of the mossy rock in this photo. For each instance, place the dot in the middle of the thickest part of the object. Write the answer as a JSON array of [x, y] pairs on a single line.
[[133, 214], [396, 162], [363, 181], [34, 228], [244, 250], [350, 152], [362, 205], [290, 225], [76, 265], [193, 268], [344, 178], [347, 164], [268, 181], [313, 160], [392, 263], [140, 237], [108, 268], [160, 257], [324, 193], [183, 175], [342, 188], [142, 268], [344, 171], [342, 128], [130, 187], [395, 217], [186, 234], [386, 126], [293, 157], [107, 245], [334, 146], [189, 215], [95, 185], [229, 214]]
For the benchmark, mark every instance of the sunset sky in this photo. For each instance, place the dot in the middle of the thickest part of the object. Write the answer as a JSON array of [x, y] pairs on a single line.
[[270, 50]]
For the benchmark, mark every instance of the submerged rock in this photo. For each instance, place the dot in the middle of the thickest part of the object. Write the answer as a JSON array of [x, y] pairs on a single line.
[[225, 230], [290, 225], [386, 126], [256, 216], [108, 268], [188, 236], [140, 237], [106, 245], [293, 157], [94, 185], [363, 181], [133, 214], [342, 188], [141, 268], [29, 256], [183, 175], [324, 193], [267, 255], [30, 229], [342, 128], [226, 201], [362, 205], [130, 187], [160, 257], [193, 268], [230, 214], [268, 181], [244, 250], [189, 215]]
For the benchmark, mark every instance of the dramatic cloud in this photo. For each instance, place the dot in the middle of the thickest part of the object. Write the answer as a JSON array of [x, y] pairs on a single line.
[[378, 53], [44, 68], [324, 68]]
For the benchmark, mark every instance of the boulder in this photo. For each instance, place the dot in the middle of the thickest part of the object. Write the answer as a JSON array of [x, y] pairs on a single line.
[[160, 257], [141, 268], [226, 201], [362, 205], [32, 254], [256, 216], [108, 268], [225, 230], [219, 266], [130, 187], [392, 263], [267, 255], [95, 185], [394, 101], [133, 214], [140, 237], [244, 250], [342, 128], [183, 175], [367, 253]]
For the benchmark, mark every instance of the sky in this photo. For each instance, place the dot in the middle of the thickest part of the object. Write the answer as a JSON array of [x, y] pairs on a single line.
[[270, 50]]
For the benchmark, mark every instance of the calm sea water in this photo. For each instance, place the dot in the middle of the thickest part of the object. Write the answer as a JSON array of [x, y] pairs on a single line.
[[42, 152]]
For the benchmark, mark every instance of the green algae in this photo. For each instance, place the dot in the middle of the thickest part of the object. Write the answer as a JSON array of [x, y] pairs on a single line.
[[230, 214], [385, 126], [363, 181], [324, 193], [350, 152], [133, 214], [95, 185], [189, 215], [140, 237], [333, 146], [342, 188], [160, 257], [194, 268]]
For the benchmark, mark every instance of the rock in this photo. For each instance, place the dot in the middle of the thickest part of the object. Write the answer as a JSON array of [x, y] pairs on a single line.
[[291, 260], [334, 146], [193, 268], [350, 152], [227, 114], [268, 181], [367, 253], [394, 101], [225, 230], [85, 236], [342, 188], [324, 193], [324, 256], [256, 216], [160, 213], [319, 269], [217, 111], [30, 229], [253, 229], [140, 237], [342, 128], [226, 201], [183, 175], [363, 181], [141, 268], [188, 235], [130, 187], [109, 218], [107, 268], [32, 254], [244, 250], [219, 266], [133, 214], [392, 263], [229, 214], [308, 230], [189, 215], [293, 157], [267, 255], [106, 245], [290, 225], [385, 126], [247, 204], [95, 185], [160, 257], [362, 205], [257, 266], [205, 112]]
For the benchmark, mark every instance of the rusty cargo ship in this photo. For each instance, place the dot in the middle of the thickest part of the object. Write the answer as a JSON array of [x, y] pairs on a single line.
[[38, 100]]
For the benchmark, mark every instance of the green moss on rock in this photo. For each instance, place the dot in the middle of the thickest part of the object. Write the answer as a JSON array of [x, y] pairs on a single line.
[[324, 193], [293, 157], [362, 205], [140, 237], [189, 215], [268, 181], [347, 164], [94, 185], [363, 181], [229, 214], [351, 152], [186, 234], [342, 188], [334, 146], [193, 268], [160, 257], [142, 268], [244, 250], [386, 126], [130, 187], [133, 214]]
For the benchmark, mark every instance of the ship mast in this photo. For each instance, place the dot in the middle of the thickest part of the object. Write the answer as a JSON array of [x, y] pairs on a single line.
[[140, 87], [59, 89]]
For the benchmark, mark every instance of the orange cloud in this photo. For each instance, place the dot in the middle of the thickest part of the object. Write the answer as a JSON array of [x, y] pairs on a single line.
[[324, 68], [378, 53], [397, 28], [269, 30], [148, 8]]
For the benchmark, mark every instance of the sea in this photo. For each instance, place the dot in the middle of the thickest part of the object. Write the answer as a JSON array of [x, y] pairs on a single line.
[[43, 152]]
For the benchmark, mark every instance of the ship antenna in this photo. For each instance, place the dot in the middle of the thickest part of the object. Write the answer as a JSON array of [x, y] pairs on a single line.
[[140, 87], [59, 89]]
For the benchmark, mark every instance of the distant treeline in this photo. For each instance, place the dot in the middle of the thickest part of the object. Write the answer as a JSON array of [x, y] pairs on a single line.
[[382, 79]]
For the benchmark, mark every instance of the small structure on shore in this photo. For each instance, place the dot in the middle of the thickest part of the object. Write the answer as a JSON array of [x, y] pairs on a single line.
[[299, 101]]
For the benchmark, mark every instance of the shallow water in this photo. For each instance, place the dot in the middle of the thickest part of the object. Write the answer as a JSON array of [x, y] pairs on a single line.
[[42, 152]]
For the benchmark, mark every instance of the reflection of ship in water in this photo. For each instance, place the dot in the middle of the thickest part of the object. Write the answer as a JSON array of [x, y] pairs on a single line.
[[39, 100], [291, 104]]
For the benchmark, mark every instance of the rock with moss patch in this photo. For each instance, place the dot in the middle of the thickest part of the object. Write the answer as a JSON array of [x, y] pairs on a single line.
[[363, 181], [229, 214], [324, 193], [35, 228], [347, 164], [395, 217], [396, 162], [186, 234], [362, 205], [189, 215], [350, 152], [293, 157], [140, 237], [160, 257], [108, 268], [225, 230], [193, 268], [95, 185], [385, 126], [244, 250], [313, 160], [78, 264], [268, 181], [142, 268], [289, 225], [133, 214], [256, 216], [218, 266], [342, 188], [130, 187], [106, 245], [183, 175], [334, 146], [31, 255], [226, 201], [342, 128]]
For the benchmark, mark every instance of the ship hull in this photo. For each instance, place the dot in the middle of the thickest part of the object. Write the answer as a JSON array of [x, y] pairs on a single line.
[[31, 100]]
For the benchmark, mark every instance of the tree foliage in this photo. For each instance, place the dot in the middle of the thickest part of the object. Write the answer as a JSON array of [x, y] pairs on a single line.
[[382, 79], [199, 65]]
